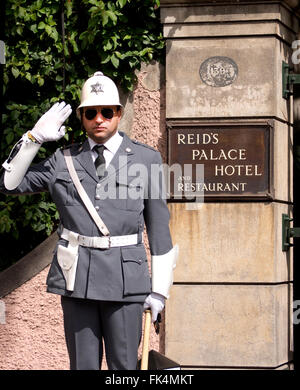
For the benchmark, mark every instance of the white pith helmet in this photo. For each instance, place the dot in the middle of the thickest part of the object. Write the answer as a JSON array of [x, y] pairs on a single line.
[[98, 90]]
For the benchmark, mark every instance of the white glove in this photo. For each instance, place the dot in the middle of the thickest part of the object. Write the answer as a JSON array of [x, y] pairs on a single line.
[[49, 126], [156, 302]]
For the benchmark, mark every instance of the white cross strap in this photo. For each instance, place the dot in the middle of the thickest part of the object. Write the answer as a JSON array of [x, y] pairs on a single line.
[[84, 196]]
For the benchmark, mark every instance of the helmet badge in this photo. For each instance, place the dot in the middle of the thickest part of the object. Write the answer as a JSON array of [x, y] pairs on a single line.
[[97, 88]]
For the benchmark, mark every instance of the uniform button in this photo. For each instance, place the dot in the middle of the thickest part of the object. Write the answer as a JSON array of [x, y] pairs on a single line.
[[98, 185], [97, 196], [140, 261], [97, 208]]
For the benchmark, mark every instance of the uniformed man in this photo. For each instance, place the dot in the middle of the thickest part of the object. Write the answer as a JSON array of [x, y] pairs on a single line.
[[100, 266]]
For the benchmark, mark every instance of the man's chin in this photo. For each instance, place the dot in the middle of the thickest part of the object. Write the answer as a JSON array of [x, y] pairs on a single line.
[[99, 136]]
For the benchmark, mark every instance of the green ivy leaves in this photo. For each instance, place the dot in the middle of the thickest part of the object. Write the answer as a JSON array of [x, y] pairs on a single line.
[[115, 36]]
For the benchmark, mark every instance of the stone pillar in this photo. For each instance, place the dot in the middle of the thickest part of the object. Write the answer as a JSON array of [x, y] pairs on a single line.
[[231, 302]]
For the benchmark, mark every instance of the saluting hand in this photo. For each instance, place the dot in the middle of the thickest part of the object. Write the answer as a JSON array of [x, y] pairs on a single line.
[[49, 126]]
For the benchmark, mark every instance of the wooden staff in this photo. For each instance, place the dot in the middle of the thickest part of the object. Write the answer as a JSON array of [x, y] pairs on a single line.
[[145, 352]]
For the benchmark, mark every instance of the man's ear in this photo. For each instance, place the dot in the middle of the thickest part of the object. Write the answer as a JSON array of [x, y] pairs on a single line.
[[119, 113]]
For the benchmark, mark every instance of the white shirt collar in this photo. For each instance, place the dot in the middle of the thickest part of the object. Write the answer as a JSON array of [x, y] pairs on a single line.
[[112, 144]]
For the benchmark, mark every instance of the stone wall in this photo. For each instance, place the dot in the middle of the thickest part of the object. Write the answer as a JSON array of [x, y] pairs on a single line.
[[233, 284]]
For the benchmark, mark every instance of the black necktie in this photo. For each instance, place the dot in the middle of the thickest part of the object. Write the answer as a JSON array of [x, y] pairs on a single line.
[[100, 160]]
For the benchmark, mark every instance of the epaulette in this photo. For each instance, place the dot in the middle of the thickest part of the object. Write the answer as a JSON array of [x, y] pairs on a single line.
[[145, 145]]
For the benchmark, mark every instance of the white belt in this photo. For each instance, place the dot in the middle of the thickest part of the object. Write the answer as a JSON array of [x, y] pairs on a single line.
[[102, 242]]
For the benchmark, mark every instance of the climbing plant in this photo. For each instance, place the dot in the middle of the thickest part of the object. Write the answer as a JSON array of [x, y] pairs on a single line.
[[51, 48]]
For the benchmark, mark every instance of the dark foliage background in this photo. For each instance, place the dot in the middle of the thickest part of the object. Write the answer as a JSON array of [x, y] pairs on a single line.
[[51, 48]]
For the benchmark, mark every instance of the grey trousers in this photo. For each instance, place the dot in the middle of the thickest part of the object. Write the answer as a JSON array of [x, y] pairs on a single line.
[[87, 322]]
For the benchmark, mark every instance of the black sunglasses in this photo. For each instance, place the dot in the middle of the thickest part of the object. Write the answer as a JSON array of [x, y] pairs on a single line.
[[106, 112]]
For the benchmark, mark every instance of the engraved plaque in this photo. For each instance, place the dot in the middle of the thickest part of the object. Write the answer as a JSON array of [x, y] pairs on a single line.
[[236, 160], [218, 71]]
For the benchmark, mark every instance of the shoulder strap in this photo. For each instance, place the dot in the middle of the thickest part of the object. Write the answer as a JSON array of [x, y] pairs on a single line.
[[84, 196]]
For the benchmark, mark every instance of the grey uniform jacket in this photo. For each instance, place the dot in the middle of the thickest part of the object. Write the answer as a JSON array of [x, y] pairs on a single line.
[[118, 273]]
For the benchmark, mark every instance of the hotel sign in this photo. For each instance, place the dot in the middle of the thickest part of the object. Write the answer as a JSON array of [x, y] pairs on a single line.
[[235, 159]]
